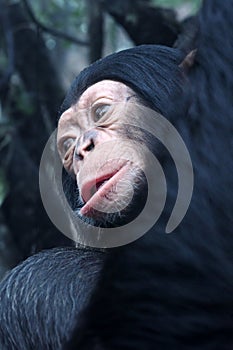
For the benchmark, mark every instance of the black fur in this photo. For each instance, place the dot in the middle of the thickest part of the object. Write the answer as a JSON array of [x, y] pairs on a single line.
[[43, 298], [150, 70]]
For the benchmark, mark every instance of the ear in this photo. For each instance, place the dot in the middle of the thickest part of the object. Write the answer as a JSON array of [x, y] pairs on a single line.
[[188, 61]]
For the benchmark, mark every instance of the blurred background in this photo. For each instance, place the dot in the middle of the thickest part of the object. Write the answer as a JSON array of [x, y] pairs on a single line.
[[43, 46]]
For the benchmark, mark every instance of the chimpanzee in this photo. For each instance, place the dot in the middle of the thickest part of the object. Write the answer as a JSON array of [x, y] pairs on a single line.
[[163, 290]]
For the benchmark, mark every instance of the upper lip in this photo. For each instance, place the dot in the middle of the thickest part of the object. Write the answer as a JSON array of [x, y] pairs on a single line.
[[89, 188]]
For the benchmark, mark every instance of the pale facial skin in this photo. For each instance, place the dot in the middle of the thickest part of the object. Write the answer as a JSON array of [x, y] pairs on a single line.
[[83, 131]]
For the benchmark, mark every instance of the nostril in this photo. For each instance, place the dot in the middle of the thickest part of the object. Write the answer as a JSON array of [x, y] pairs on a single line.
[[78, 156], [90, 146], [80, 151]]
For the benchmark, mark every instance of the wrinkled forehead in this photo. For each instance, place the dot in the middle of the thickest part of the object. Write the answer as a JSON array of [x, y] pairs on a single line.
[[110, 89], [105, 91]]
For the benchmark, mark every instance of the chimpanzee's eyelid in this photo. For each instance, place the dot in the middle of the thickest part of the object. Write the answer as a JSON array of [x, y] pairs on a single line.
[[62, 141], [101, 108], [99, 105], [68, 140], [94, 111], [102, 101]]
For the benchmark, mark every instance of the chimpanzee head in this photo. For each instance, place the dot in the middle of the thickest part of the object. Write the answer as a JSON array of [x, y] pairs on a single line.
[[97, 130]]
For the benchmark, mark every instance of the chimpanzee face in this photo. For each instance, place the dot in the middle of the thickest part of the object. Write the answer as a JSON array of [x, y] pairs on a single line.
[[92, 148]]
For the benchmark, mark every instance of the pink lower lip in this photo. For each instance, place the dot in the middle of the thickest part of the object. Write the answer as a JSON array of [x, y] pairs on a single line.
[[104, 189], [93, 184]]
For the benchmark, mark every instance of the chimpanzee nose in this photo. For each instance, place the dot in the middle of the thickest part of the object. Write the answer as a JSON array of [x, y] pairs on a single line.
[[85, 144]]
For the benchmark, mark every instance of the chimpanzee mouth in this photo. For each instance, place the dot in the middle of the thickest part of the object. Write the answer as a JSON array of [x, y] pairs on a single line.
[[96, 189]]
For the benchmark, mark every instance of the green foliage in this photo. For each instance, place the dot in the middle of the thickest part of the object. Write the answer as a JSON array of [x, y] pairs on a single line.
[[23, 102], [3, 186], [3, 60], [61, 14], [5, 140], [193, 4]]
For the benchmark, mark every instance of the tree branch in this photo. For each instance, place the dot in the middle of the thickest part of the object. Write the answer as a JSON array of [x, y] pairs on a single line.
[[95, 29], [9, 45], [52, 31], [145, 23]]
